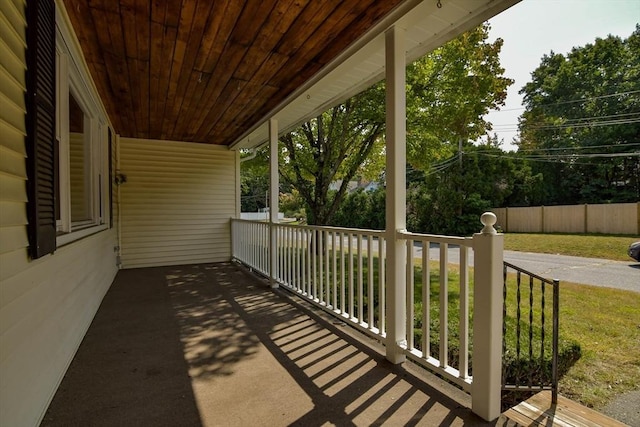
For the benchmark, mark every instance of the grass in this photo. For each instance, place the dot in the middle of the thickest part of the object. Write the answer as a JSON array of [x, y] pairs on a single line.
[[604, 322], [584, 245]]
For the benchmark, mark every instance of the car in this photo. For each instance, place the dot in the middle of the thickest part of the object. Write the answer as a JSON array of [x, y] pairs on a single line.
[[634, 251]]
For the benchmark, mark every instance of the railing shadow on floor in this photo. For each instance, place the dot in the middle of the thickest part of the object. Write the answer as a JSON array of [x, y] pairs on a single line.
[[348, 382], [212, 344]]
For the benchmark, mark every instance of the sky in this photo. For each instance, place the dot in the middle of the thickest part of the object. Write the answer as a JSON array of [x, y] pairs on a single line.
[[533, 28]]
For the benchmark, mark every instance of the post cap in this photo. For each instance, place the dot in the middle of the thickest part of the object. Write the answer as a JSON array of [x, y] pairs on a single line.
[[488, 219]]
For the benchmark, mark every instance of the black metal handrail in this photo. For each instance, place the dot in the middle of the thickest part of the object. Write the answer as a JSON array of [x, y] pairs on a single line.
[[535, 365]]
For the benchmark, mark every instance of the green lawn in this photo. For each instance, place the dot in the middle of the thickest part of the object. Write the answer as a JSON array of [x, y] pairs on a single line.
[[604, 322], [589, 245]]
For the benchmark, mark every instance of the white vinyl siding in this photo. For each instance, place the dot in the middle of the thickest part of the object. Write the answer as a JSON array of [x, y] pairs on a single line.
[[13, 175], [46, 305], [176, 203], [45, 312]]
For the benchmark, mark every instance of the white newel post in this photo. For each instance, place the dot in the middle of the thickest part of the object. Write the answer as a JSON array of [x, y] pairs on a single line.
[[487, 320], [395, 66], [274, 193]]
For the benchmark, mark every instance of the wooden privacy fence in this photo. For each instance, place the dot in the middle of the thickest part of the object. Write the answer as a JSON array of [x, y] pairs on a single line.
[[614, 218]]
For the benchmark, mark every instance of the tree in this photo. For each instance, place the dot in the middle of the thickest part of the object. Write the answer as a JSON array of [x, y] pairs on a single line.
[[254, 182], [582, 115], [448, 93], [451, 200], [334, 147], [362, 209]]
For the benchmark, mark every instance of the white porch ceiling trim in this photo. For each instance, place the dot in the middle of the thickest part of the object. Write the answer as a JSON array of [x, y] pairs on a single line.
[[427, 27]]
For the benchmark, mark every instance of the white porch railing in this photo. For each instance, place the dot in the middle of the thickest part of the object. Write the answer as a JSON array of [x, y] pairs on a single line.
[[340, 270], [250, 244], [343, 271], [422, 297]]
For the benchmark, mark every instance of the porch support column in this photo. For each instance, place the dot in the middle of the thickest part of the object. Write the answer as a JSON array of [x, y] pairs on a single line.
[[487, 320], [396, 220], [274, 193]]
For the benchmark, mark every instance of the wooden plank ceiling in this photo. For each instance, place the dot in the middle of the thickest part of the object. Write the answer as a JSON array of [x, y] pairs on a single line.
[[206, 71]]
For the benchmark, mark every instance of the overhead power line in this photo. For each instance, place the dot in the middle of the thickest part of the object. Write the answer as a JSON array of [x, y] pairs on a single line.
[[631, 92], [566, 156], [586, 147]]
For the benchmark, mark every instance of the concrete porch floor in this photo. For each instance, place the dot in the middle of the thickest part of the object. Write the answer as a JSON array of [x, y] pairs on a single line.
[[212, 345]]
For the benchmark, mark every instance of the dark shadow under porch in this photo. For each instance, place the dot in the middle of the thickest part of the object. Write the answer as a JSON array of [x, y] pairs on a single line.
[[213, 345]]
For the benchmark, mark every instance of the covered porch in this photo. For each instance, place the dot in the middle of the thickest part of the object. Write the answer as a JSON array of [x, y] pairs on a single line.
[[167, 94], [212, 344]]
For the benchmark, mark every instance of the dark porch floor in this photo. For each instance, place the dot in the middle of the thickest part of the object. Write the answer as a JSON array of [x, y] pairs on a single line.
[[213, 345]]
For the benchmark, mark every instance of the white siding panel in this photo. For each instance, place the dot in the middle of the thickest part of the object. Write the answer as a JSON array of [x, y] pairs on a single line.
[[12, 88], [12, 163], [12, 37], [12, 238], [11, 64], [12, 188], [12, 12], [46, 305], [12, 138], [45, 311], [176, 203]]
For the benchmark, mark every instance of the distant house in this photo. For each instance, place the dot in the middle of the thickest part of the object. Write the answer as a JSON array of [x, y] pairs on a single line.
[[354, 185]]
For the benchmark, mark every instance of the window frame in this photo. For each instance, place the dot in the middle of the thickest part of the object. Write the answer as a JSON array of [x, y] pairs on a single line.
[[71, 79]]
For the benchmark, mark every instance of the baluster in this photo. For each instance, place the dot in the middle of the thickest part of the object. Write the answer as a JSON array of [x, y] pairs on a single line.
[[542, 325], [334, 291], [343, 306], [426, 300], [444, 305], [382, 284], [410, 296], [314, 255], [370, 295], [351, 284], [531, 330], [360, 285], [504, 323], [464, 313]]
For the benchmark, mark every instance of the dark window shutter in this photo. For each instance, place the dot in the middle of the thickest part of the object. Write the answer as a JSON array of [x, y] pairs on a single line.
[[41, 126]]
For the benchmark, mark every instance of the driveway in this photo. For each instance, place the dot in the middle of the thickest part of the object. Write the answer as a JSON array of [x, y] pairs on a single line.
[[587, 271]]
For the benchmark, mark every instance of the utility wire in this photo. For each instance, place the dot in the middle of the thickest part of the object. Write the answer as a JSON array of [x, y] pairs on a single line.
[[630, 144], [586, 125], [569, 124], [568, 156], [631, 92]]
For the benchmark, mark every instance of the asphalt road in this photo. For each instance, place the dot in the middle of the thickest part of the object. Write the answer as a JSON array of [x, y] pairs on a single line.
[[586, 271]]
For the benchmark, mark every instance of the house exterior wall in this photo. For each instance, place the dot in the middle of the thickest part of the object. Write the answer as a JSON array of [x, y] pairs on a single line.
[[46, 305], [177, 202]]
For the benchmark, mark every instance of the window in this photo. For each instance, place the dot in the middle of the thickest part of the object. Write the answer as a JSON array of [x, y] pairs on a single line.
[[82, 151], [67, 150]]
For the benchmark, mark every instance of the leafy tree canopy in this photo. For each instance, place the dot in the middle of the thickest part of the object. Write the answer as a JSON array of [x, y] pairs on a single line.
[[448, 93], [582, 114], [335, 146]]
